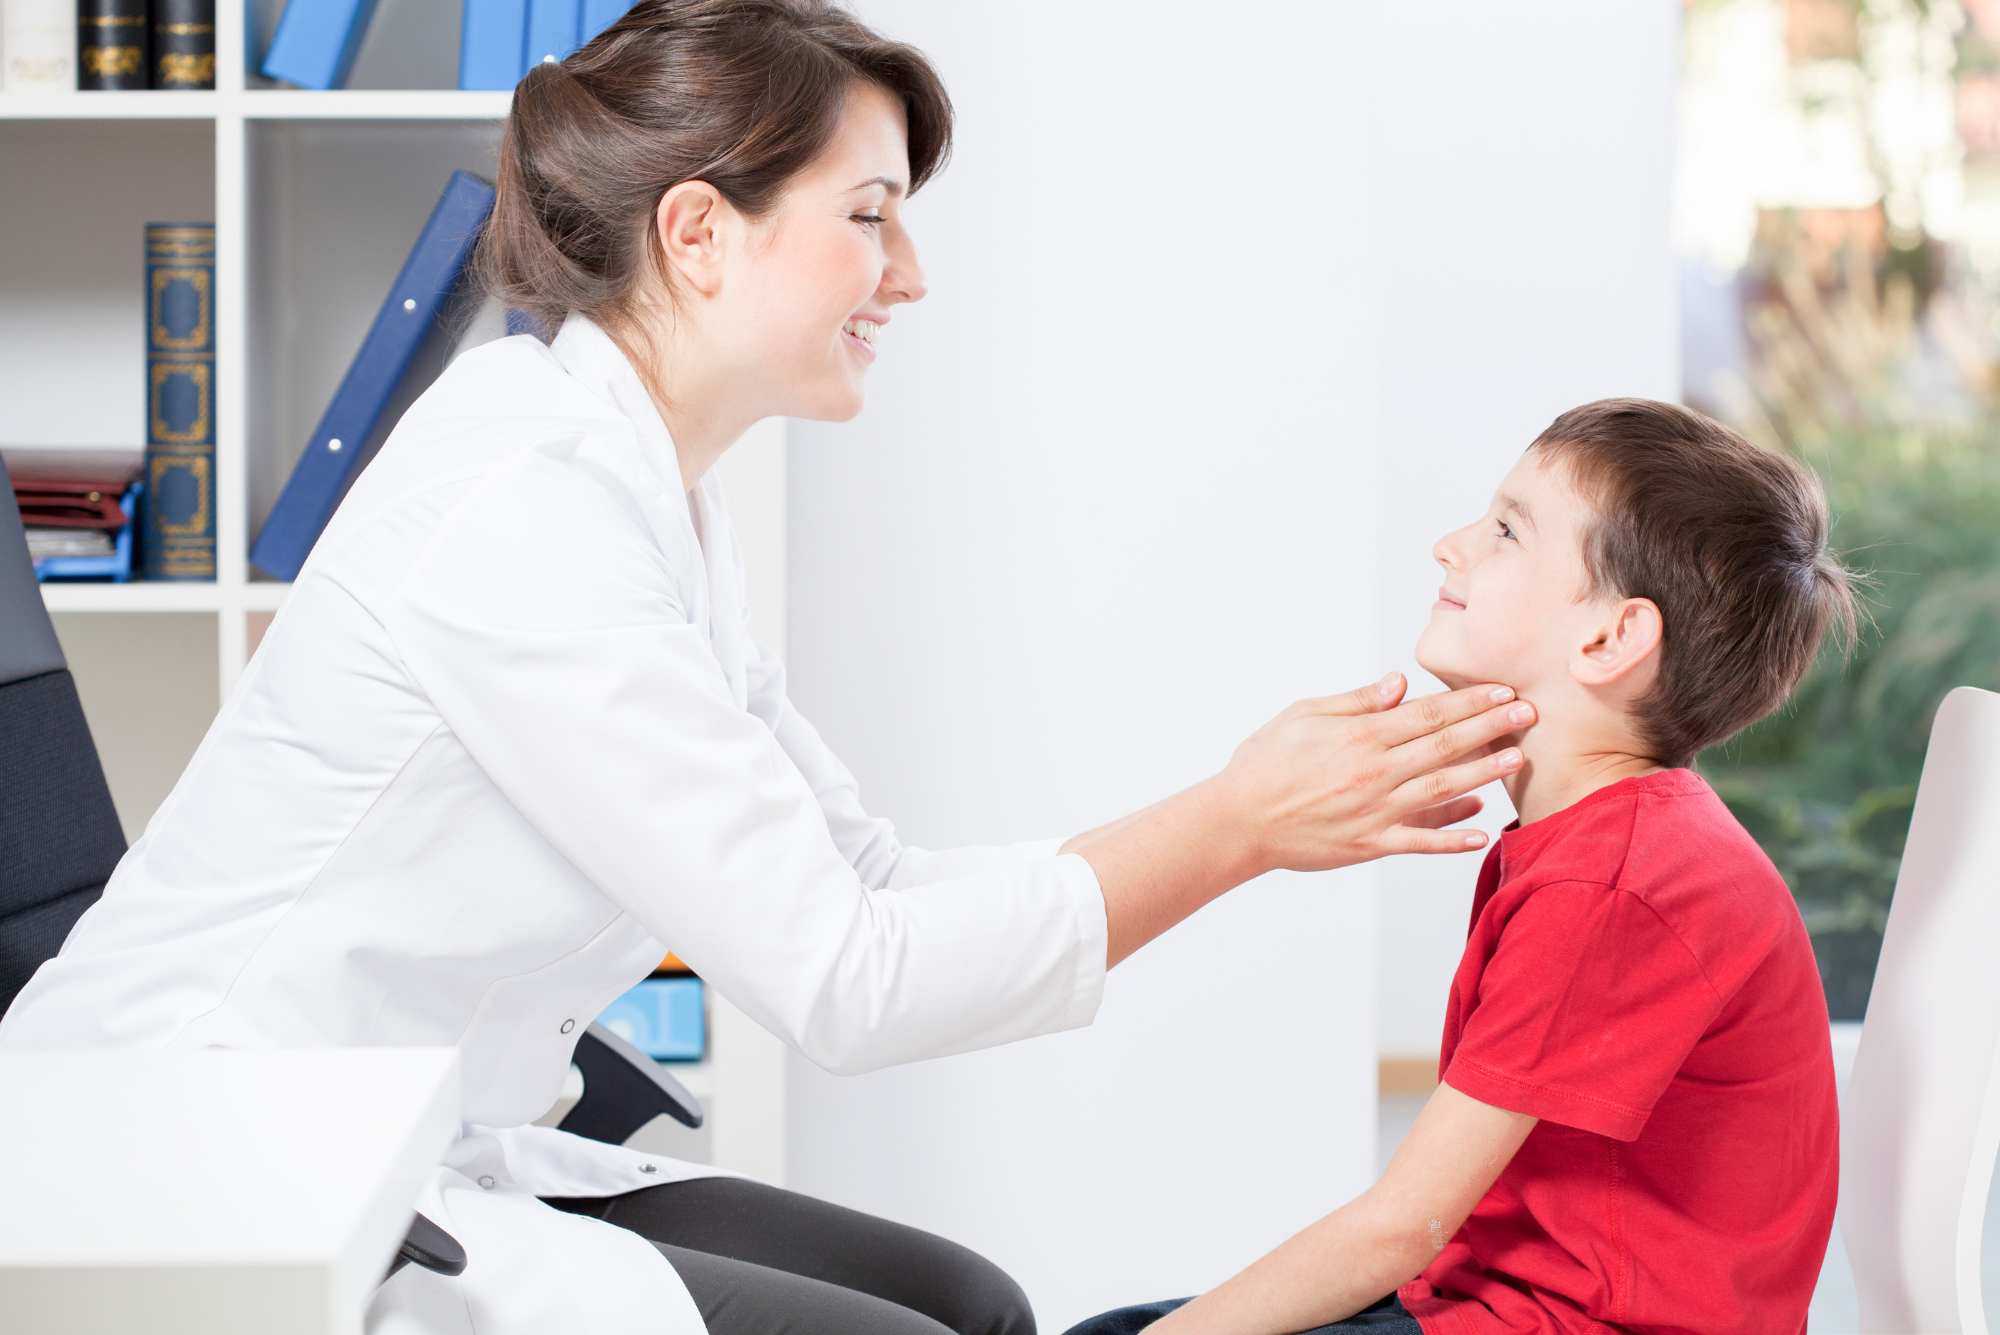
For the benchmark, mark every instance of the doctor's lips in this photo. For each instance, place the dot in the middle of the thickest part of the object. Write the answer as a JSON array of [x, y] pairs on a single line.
[[864, 332], [1448, 601]]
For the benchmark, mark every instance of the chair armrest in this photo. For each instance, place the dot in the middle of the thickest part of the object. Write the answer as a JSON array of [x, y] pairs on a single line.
[[623, 1089], [430, 1247]]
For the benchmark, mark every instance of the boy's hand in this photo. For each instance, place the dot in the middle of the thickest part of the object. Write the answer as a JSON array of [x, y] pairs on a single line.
[[1377, 1242]]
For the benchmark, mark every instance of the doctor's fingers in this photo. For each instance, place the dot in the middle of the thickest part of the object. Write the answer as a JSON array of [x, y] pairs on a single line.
[[1370, 699], [1425, 717], [1447, 813], [1459, 739], [1404, 839], [1441, 786]]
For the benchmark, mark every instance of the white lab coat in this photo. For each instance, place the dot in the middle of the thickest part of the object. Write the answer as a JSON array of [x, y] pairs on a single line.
[[507, 740]]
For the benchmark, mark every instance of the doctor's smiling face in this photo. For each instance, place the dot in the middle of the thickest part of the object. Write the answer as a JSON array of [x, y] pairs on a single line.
[[789, 306]]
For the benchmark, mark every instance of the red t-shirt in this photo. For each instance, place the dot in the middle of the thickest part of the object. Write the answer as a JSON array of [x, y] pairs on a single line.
[[1637, 977]]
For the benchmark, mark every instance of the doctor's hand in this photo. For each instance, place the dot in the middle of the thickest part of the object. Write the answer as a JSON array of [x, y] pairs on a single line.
[[1328, 783]]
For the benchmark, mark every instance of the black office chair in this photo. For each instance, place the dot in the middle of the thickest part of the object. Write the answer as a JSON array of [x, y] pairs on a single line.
[[60, 840]]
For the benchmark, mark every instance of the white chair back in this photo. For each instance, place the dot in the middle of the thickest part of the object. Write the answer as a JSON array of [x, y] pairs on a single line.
[[1922, 1115]]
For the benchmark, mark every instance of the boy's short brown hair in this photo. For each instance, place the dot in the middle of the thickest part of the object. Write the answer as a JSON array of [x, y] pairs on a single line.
[[1727, 539]]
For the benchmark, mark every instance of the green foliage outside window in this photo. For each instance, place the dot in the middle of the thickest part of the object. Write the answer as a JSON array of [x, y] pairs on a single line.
[[1826, 784], [1840, 189]]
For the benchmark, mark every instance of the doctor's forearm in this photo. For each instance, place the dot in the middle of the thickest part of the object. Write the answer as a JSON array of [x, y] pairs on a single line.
[[1157, 867], [1079, 842], [1327, 783]]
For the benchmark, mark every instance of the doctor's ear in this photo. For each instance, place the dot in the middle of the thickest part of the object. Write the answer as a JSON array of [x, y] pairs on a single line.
[[1625, 642], [693, 222]]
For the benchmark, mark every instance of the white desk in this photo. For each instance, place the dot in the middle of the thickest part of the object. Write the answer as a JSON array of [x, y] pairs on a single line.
[[211, 1193]]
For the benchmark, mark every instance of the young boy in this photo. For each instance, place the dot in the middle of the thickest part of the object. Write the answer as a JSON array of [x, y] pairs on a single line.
[[1636, 1127]]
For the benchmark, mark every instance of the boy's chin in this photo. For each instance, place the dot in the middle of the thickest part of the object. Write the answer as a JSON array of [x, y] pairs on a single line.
[[1452, 675]]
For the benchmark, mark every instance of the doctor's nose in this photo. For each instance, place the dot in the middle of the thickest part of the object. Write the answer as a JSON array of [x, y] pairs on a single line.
[[903, 277]]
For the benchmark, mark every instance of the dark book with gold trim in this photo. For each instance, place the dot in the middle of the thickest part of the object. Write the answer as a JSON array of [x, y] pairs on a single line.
[[179, 538], [183, 43], [113, 42]]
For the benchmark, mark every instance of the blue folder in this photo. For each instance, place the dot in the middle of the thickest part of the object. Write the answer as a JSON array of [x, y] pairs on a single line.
[[316, 41], [491, 44], [552, 31], [335, 453]]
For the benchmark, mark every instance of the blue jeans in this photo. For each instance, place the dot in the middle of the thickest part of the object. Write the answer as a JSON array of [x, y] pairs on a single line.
[[1388, 1317]]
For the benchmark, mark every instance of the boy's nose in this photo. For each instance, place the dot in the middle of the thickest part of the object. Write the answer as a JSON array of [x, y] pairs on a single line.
[[1445, 551]]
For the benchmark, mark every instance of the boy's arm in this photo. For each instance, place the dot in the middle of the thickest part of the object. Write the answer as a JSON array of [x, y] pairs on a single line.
[[1378, 1241]]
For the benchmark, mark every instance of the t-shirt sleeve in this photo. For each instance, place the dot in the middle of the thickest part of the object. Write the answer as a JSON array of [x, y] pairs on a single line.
[[1588, 1006]]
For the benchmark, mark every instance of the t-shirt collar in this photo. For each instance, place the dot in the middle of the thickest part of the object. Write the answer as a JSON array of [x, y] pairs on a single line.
[[1518, 842]]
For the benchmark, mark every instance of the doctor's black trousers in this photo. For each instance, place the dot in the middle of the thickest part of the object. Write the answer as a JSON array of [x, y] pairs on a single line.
[[761, 1261]]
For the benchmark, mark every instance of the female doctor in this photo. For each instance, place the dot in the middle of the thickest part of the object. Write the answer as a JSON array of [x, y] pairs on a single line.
[[508, 739]]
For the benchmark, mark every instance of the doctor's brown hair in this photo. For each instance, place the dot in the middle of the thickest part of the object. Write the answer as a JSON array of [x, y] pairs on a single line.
[[742, 94], [1728, 540]]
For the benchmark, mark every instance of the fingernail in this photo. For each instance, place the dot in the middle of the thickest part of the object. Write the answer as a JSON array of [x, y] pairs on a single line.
[[1387, 686], [1523, 713], [1502, 694], [1508, 759], [1475, 841]]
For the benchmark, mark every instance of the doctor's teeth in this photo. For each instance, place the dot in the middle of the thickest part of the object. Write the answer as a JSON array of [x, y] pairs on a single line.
[[865, 330]]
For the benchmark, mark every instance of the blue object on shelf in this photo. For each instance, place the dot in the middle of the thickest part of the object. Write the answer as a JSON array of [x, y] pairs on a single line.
[[116, 567], [316, 42], [492, 44], [599, 15], [552, 31], [338, 448], [662, 1017]]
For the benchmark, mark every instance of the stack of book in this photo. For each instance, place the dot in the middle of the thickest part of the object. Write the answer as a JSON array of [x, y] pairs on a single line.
[[317, 40], [106, 45], [77, 507]]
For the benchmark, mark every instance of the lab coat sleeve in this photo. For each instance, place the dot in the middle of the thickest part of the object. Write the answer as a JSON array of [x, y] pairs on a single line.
[[545, 621], [868, 842]]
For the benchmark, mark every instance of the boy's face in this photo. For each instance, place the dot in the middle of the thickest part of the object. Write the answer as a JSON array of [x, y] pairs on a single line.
[[1512, 609]]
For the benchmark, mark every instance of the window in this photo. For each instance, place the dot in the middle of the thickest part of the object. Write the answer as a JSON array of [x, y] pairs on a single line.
[[1837, 215]]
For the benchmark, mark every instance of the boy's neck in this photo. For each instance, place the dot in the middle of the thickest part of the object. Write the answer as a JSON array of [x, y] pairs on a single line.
[[1563, 765]]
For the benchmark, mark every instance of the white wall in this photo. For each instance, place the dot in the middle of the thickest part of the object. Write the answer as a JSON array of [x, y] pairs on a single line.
[[1111, 506], [1528, 163], [1233, 313]]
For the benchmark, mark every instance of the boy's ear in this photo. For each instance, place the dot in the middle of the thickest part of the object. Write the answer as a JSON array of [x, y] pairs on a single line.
[[1625, 642]]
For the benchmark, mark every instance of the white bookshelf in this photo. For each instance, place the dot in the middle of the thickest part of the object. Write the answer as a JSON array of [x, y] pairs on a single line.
[[316, 198]]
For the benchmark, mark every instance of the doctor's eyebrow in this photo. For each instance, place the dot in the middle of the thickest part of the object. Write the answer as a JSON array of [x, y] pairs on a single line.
[[888, 183]]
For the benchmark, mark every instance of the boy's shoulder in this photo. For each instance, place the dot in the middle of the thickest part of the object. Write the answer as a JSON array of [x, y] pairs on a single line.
[[1667, 840]]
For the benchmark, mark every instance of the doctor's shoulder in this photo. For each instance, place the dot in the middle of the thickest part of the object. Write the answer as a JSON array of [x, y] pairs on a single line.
[[505, 449]]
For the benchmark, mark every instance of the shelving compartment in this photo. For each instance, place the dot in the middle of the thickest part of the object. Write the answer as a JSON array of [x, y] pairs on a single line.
[[337, 206], [147, 683], [73, 215], [409, 44]]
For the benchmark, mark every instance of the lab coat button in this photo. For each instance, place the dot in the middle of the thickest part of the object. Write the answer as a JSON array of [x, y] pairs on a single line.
[[647, 1168], [486, 1184], [568, 1025]]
